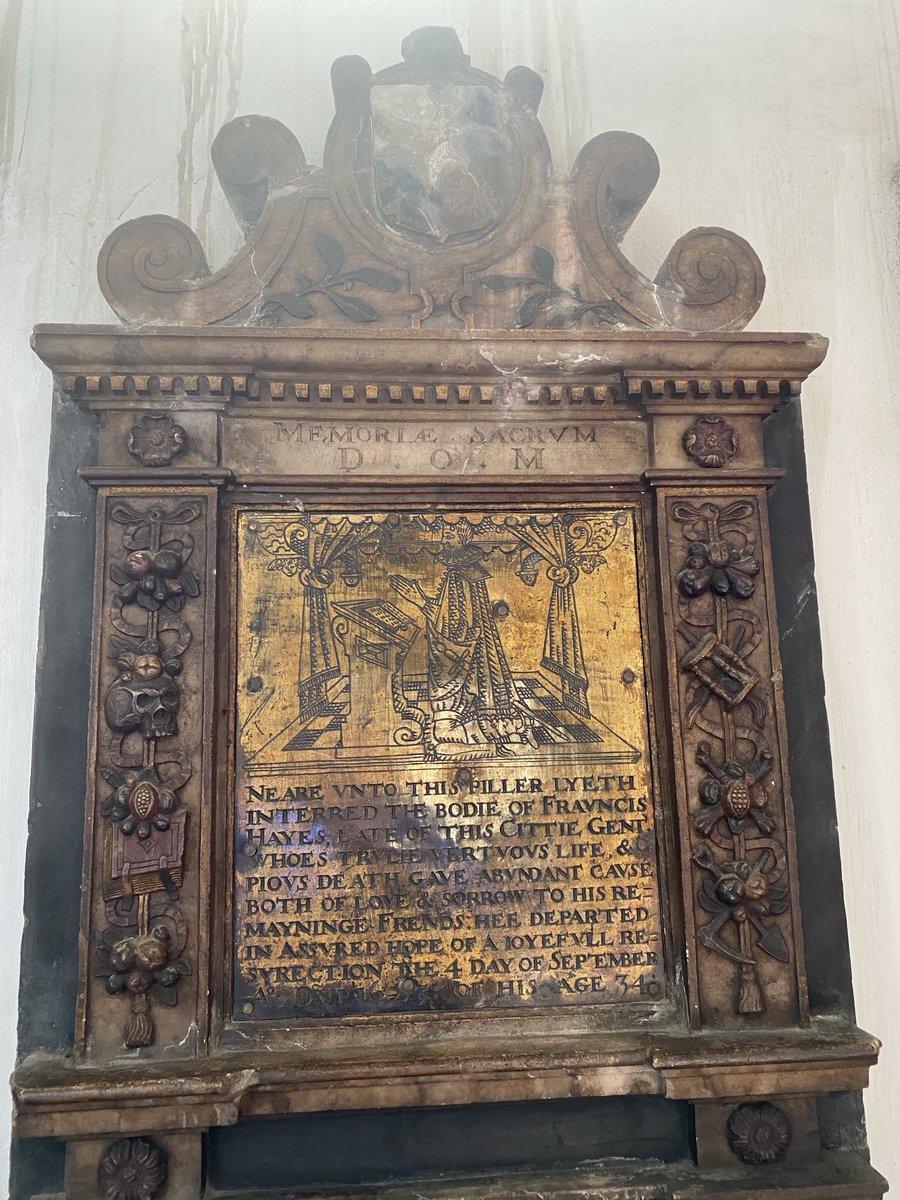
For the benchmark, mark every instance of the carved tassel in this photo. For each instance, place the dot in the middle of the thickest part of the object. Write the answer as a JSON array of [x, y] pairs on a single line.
[[750, 997], [139, 1029]]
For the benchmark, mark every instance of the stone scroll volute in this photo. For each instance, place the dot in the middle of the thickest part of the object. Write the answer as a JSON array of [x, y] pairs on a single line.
[[437, 207]]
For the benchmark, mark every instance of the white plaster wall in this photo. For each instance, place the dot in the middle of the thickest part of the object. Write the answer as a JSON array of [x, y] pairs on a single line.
[[777, 119]]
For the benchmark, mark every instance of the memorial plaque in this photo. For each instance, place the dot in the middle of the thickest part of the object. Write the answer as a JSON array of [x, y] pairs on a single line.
[[431, 741], [443, 793]]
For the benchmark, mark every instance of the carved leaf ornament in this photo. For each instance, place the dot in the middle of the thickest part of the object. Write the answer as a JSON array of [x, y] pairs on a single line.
[[335, 284], [433, 206], [563, 307]]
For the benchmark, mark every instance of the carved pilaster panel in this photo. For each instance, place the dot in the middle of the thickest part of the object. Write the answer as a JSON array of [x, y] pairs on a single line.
[[144, 914], [744, 952]]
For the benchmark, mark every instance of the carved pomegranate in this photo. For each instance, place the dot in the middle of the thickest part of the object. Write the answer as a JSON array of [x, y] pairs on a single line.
[[144, 801], [735, 798]]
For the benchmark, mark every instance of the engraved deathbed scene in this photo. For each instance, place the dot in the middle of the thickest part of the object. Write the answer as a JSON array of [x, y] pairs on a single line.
[[442, 718]]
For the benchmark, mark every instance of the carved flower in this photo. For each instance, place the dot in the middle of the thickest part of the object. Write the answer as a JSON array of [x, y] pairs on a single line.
[[157, 440], [140, 801], [132, 1169], [759, 1133], [149, 661], [154, 579], [720, 567], [710, 441]]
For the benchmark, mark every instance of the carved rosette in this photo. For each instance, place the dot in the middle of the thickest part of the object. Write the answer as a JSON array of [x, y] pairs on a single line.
[[737, 842], [710, 441], [759, 1134], [132, 1169], [157, 440], [151, 582]]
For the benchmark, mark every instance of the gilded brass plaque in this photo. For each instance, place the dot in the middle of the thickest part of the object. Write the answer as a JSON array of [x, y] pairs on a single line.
[[442, 781]]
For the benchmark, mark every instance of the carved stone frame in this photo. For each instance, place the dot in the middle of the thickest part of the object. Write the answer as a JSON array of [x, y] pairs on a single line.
[[732, 1061], [378, 1034]]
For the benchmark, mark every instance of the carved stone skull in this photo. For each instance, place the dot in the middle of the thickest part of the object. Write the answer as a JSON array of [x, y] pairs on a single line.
[[150, 705]]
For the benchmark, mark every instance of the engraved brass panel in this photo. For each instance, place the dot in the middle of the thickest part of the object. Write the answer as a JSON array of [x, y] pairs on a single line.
[[443, 789]]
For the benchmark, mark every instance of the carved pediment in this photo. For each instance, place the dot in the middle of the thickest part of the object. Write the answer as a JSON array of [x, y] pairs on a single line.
[[436, 206]]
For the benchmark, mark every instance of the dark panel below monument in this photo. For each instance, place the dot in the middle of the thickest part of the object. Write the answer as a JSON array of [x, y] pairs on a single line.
[[334, 1148]]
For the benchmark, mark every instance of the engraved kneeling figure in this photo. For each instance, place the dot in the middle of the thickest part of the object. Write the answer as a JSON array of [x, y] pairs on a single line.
[[471, 690]]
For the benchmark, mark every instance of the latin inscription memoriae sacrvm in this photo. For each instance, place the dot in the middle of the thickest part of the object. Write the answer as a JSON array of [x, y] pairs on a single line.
[[444, 445], [443, 790]]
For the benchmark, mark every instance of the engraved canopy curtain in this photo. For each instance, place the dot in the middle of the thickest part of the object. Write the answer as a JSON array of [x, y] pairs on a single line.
[[563, 653], [324, 554]]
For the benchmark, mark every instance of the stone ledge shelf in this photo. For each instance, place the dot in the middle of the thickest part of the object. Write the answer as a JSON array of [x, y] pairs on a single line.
[[56, 1098]]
